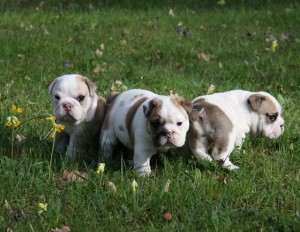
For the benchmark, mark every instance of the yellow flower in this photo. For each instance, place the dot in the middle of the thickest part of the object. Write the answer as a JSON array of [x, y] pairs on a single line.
[[17, 109], [12, 121], [274, 46], [134, 184], [14, 107], [58, 127], [42, 207], [52, 118], [100, 169]]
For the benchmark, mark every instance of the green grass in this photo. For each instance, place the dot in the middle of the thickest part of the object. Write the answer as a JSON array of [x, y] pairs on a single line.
[[262, 196]]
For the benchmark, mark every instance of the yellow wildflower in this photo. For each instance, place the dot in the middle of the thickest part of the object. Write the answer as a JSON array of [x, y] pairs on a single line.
[[12, 121], [14, 107], [17, 109], [58, 127], [42, 207], [274, 46], [100, 169], [134, 184], [52, 118]]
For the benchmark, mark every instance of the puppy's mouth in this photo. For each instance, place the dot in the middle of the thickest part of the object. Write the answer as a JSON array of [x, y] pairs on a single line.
[[67, 118], [164, 139]]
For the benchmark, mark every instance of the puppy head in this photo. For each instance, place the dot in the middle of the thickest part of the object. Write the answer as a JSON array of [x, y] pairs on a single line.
[[270, 122], [73, 97], [167, 120]]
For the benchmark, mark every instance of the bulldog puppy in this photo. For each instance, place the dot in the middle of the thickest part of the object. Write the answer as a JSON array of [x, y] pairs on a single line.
[[220, 121], [76, 105], [146, 123]]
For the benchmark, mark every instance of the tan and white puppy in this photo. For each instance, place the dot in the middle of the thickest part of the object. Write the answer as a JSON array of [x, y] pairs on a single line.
[[76, 105], [146, 123], [221, 121]]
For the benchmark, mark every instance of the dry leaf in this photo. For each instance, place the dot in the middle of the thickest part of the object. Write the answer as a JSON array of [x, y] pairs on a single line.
[[64, 228], [71, 176], [123, 42], [168, 216], [203, 57], [223, 179]]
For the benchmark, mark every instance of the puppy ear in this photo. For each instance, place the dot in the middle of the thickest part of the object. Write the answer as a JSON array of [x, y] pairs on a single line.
[[91, 86], [51, 86], [187, 105], [180, 101], [255, 101], [147, 108]]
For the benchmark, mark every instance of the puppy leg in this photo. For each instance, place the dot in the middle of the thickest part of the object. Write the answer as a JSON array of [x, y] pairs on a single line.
[[61, 142], [199, 149], [222, 152], [108, 141], [141, 161], [72, 149]]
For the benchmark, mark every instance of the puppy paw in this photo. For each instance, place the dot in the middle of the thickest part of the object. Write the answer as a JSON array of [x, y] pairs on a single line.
[[230, 166], [143, 171]]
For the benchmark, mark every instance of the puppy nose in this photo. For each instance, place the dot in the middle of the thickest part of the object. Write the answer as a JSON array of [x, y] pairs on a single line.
[[282, 126], [166, 133], [68, 106]]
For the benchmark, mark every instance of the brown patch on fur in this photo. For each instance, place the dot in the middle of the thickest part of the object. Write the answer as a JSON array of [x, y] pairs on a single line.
[[211, 116], [199, 101], [130, 116], [154, 103], [99, 118], [182, 104], [111, 99], [262, 104]]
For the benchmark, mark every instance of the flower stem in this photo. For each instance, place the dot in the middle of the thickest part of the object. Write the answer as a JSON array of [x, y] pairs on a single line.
[[51, 156], [12, 143]]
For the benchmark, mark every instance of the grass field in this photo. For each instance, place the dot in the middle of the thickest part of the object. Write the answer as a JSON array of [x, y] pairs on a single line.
[[145, 46]]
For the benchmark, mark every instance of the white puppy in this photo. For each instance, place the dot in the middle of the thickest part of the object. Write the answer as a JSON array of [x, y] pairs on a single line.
[[146, 123], [76, 106], [223, 119]]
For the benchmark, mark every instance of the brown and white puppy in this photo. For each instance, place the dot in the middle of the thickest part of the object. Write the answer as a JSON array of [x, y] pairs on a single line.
[[146, 123], [221, 120], [76, 105]]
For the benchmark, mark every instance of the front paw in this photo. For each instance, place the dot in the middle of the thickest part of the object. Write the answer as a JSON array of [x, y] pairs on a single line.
[[230, 166], [143, 171]]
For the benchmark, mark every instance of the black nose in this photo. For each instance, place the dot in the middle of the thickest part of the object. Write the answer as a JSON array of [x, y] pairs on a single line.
[[282, 126]]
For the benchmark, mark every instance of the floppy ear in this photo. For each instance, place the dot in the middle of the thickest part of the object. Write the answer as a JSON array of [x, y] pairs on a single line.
[[147, 108], [187, 105], [255, 101], [51, 86], [91, 86]]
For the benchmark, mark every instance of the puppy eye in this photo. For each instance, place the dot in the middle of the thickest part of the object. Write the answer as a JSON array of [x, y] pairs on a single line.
[[272, 117], [179, 123], [80, 98], [57, 97]]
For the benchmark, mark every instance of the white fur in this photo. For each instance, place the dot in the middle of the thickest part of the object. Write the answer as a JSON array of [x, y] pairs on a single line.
[[234, 105], [143, 143]]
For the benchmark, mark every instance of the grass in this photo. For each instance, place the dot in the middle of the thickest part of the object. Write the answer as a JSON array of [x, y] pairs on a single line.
[[143, 49]]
